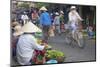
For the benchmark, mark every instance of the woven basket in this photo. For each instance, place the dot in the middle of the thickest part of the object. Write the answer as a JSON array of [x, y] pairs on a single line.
[[60, 59]]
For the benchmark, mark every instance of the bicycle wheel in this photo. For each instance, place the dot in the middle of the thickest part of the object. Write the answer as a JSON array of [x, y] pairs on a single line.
[[69, 39], [80, 40]]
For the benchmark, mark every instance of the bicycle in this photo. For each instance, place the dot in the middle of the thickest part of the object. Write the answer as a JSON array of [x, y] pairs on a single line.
[[78, 37]]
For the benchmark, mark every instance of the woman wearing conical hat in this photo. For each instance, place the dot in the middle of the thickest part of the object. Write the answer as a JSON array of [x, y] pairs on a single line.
[[45, 22], [27, 44]]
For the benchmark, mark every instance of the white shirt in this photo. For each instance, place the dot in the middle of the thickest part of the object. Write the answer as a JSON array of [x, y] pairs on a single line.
[[25, 48], [74, 19], [74, 16], [57, 20]]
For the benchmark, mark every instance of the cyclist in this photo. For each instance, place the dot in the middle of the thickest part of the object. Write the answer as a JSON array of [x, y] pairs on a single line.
[[74, 19]]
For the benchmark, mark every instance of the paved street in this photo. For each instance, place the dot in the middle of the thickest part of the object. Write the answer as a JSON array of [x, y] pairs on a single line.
[[74, 53]]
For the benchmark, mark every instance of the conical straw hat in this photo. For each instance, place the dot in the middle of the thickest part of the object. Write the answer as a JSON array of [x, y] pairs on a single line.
[[43, 8], [61, 12], [72, 7], [56, 13], [30, 28]]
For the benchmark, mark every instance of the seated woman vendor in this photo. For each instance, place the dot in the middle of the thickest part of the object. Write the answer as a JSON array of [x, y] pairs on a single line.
[[27, 44]]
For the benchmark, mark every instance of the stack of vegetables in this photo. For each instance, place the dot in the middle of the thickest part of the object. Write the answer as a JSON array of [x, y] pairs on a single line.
[[39, 41], [56, 55], [38, 34], [51, 55]]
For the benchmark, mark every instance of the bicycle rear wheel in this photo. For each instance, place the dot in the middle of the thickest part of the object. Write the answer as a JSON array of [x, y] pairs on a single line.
[[68, 39]]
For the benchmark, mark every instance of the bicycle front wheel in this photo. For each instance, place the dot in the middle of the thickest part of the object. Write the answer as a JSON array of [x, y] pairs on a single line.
[[80, 40]]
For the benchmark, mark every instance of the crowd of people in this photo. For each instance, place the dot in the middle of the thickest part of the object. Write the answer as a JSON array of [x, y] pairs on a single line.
[[24, 27], [41, 18]]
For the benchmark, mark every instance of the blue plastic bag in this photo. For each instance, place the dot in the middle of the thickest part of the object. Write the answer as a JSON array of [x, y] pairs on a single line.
[[52, 61]]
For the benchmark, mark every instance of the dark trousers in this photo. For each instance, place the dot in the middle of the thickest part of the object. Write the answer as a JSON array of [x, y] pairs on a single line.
[[46, 32]]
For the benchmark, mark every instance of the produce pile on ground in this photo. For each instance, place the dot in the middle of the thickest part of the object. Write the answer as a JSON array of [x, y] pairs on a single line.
[[55, 54], [51, 55]]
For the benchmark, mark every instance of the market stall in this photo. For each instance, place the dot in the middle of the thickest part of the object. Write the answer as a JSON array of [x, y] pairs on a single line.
[[51, 56]]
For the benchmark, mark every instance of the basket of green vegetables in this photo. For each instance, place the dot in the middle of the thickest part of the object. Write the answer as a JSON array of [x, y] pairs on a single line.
[[56, 55]]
